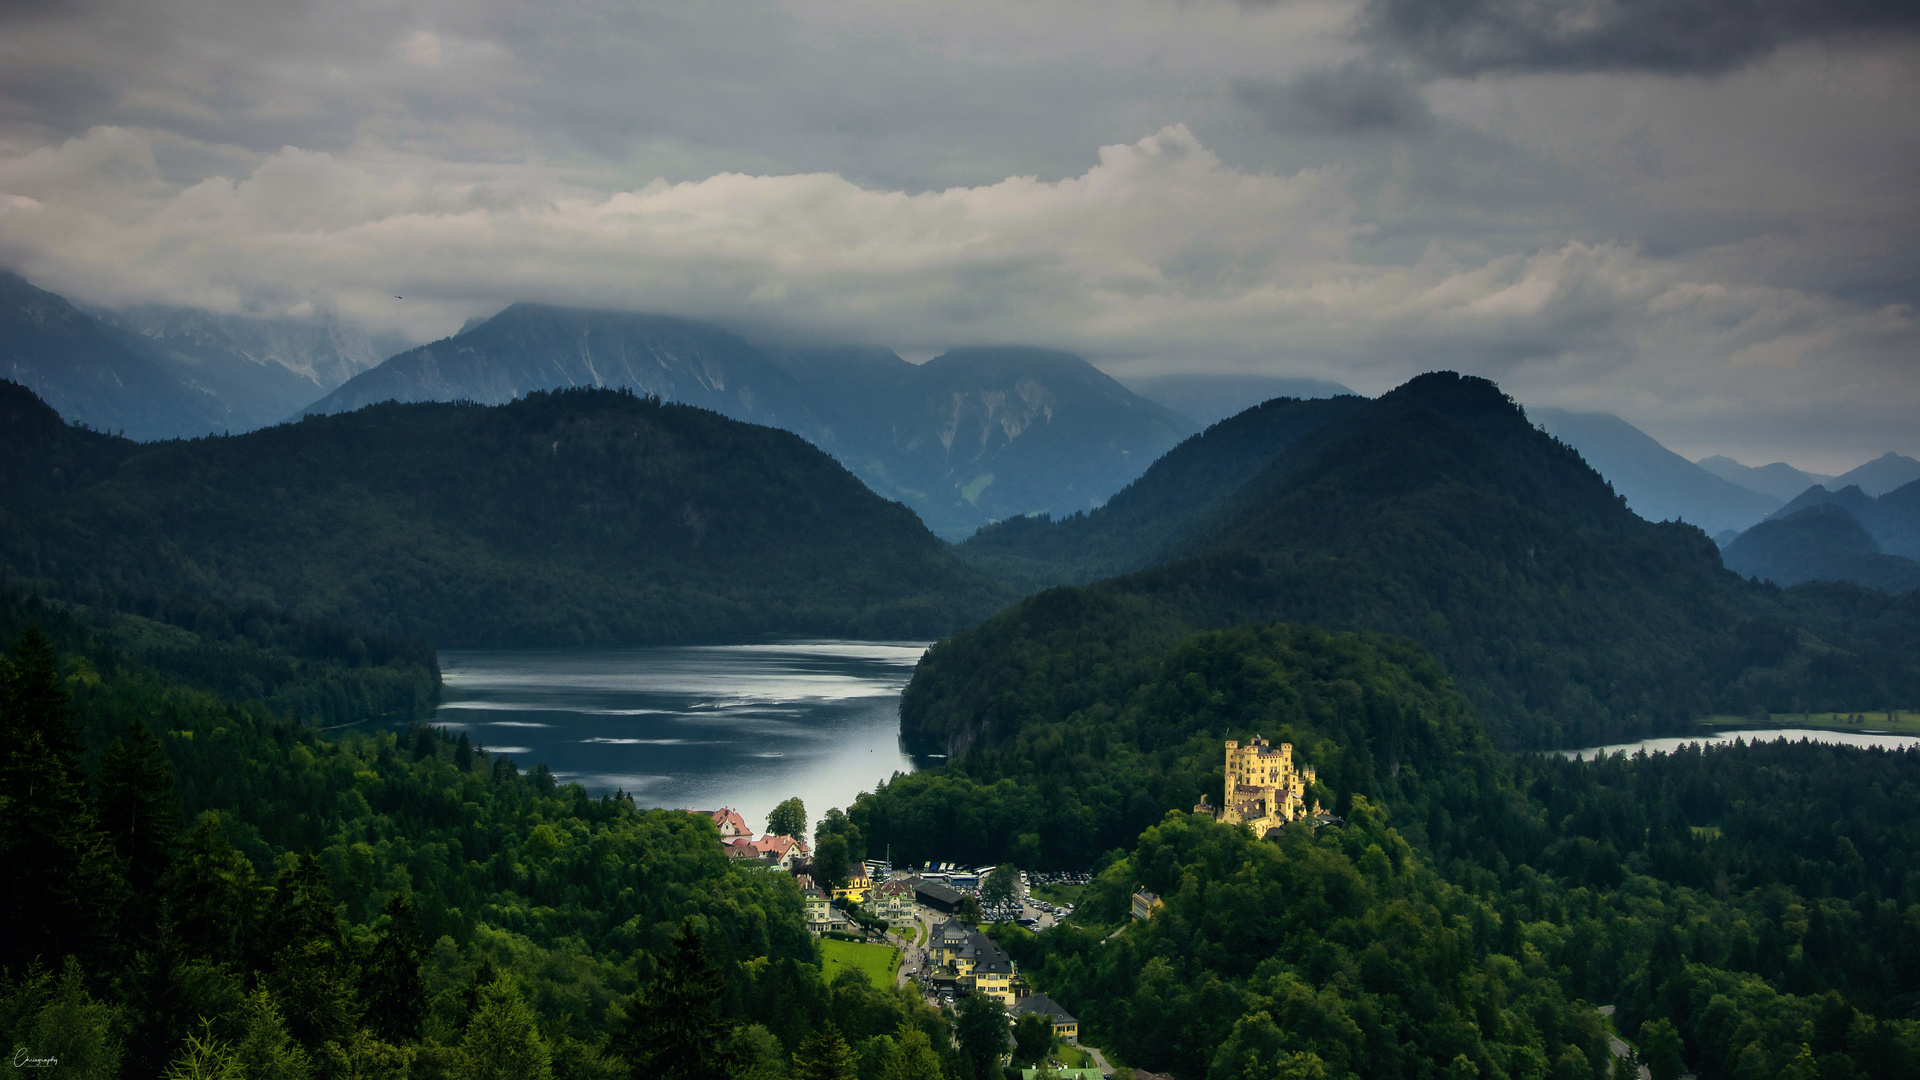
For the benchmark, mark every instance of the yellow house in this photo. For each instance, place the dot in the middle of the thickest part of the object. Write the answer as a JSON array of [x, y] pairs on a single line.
[[1064, 1025], [858, 883]]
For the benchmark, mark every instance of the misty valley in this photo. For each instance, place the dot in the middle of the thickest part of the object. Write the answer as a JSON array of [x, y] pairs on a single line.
[[593, 695]]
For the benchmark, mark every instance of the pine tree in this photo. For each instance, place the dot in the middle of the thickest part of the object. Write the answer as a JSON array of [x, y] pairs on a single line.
[[502, 1041], [673, 1029], [61, 891], [983, 1034], [392, 987], [139, 810], [913, 1057], [216, 902], [311, 974], [824, 1056]]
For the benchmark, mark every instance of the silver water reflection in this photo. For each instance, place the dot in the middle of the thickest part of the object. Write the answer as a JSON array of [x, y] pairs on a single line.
[[704, 726], [1668, 745]]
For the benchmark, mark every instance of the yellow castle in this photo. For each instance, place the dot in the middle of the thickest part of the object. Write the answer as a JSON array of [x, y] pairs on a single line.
[[1264, 790]]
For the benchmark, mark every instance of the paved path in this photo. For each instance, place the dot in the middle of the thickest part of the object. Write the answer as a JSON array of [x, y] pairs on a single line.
[[1099, 1060]]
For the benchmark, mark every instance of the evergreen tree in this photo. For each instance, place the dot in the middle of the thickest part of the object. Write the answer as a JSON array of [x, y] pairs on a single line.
[[503, 1041], [267, 1051], [216, 901], [673, 1029], [1032, 1038], [311, 974], [60, 890], [139, 810], [1661, 1047], [824, 1056], [392, 988], [913, 1057]]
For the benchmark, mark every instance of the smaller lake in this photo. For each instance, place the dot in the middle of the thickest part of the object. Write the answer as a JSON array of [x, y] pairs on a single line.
[[695, 727], [1672, 743]]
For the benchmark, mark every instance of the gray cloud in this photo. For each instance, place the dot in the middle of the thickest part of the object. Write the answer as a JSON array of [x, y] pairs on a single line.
[[1463, 37], [1354, 98]]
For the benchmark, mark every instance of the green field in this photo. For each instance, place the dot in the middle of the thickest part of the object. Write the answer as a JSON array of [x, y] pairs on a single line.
[[877, 962], [1058, 894], [1890, 721]]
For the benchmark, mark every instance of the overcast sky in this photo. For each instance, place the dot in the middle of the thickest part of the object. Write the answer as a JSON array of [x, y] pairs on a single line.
[[1703, 215]]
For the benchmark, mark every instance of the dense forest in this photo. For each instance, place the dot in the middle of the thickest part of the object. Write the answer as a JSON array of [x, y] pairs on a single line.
[[203, 886], [573, 517], [1437, 513], [1750, 911]]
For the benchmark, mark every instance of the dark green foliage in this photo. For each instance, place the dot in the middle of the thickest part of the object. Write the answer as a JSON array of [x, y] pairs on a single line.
[[673, 1028], [981, 1029], [1032, 1039], [1438, 514], [1375, 716], [578, 516], [392, 986], [824, 1056], [139, 810], [788, 819]]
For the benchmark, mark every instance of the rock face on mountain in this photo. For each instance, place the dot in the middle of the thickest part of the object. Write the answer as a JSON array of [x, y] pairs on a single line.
[[980, 434], [1659, 484], [1820, 542], [261, 369], [89, 375]]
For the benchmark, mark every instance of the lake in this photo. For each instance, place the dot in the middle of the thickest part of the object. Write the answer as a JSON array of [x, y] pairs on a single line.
[[698, 727], [1671, 743]]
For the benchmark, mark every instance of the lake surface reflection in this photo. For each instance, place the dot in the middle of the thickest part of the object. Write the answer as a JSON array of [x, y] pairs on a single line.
[[699, 726], [1669, 744]]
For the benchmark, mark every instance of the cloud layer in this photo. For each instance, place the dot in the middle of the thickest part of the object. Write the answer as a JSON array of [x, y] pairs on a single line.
[[1704, 216]]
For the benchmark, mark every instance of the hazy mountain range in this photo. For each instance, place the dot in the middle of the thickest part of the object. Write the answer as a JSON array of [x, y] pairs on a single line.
[[972, 437], [969, 437]]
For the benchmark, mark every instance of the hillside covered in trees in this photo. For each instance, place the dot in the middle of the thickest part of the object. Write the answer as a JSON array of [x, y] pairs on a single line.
[[574, 517], [1436, 513]]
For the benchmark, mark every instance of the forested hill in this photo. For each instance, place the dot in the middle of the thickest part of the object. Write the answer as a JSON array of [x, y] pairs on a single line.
[[578, 516], [1176, 497], [1438, 513]]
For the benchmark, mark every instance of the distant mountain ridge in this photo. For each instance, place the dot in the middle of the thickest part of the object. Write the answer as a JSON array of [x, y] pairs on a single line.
[[1779, 479], [1820, 541], [1879, 476], [89, 374], [1658, 484], [971, 436], [1892, 519]]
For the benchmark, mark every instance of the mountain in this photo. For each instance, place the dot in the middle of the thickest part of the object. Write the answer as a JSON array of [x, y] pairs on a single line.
[[1659, 484], [980, 434], [261, 369], [1881, 475], [89, 374], [1208, 398], [561, 518], [1145, 522], [1892, 519], [1439, 513], [969, 437], [531, 347], [1779, 480], [1820, 542]]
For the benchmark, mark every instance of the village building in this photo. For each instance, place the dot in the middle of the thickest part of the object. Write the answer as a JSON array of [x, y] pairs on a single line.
[[727, 820], [893, 901], [821, 916], [971, 962], [1064, 1025], [939, 897], [1264, 790], [1145, 904], [857, 886]]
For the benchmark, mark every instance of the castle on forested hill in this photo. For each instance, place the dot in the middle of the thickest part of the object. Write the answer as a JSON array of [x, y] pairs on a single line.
[[1263, 788]]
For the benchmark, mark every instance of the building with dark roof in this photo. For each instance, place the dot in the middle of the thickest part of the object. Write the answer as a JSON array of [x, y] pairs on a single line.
[[938, 897], [1064, 1025]]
